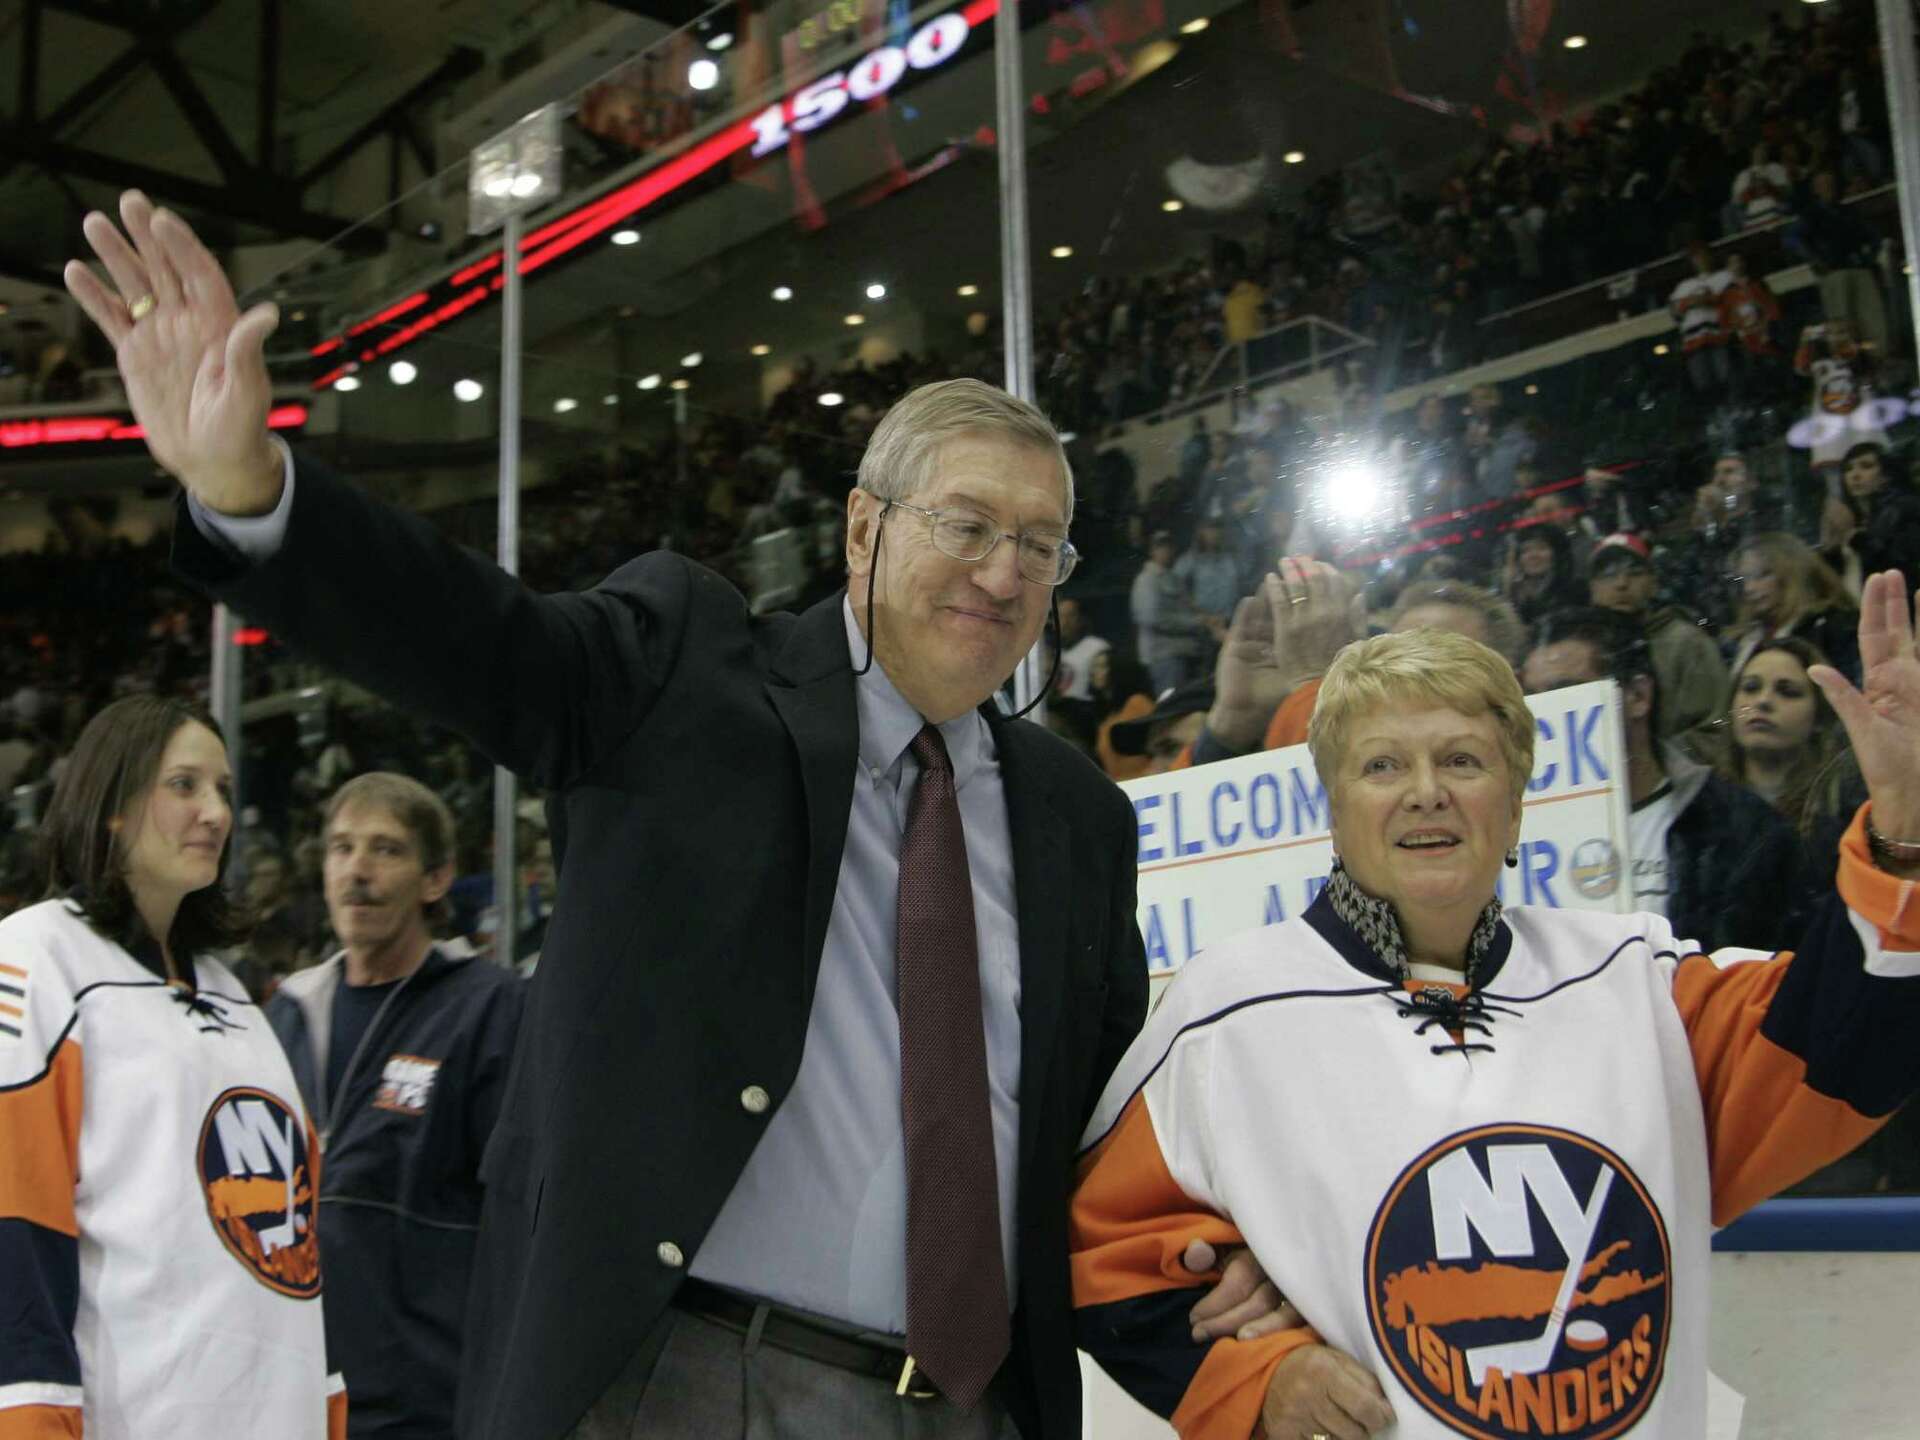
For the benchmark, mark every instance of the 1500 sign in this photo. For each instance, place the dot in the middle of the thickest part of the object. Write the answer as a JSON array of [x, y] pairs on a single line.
[[877, 72]]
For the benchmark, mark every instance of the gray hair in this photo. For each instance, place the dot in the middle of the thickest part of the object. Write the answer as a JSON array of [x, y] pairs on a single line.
[[899, 457]]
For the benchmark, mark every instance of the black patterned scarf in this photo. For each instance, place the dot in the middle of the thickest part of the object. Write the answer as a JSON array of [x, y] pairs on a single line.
[[1378, 925]]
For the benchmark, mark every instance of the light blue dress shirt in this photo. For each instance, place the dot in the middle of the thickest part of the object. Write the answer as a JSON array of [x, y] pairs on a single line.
[[818, 1219]]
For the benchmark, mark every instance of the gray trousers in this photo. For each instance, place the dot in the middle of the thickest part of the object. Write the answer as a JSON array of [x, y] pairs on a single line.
[[692, 1379]]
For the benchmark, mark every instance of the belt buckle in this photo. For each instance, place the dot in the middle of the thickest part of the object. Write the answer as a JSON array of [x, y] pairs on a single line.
[[914, 1384]]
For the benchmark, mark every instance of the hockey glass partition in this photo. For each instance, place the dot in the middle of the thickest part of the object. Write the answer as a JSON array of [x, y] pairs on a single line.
[[739, 299], [1401, 286], [399, 372]]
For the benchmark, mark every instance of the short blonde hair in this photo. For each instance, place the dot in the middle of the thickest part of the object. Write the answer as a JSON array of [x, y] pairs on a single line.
[[1420, 668], [899, 457]]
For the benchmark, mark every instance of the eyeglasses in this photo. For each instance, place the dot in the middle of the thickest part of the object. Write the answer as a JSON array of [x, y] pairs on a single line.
[[1044, 558]]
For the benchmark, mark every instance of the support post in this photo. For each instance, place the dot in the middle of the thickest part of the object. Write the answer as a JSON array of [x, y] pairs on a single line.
[[1903, 113], [1016, 257], [506, 884], [225, 688]]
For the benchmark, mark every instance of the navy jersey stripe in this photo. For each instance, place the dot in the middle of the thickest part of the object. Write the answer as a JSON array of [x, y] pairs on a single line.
[[39, 1296], [1854, 1031], [1146, 1344]]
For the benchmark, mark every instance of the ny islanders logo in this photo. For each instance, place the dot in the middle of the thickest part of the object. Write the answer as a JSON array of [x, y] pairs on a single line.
[[255, 1170], [1517, 1283]]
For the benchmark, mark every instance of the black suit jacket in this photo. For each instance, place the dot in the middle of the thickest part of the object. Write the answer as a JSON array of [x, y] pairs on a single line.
[[701, 762]]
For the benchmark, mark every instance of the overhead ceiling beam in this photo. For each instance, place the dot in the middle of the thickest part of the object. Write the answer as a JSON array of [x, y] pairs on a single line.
[[423, 153], [269, 204], [201, 116], [117, 71], [28, 103], [267, 99], [450, 71], [671, 13], [82, 100]]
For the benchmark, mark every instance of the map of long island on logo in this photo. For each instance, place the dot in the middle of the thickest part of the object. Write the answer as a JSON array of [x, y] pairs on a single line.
[[255, 1169], [1518, 1284]]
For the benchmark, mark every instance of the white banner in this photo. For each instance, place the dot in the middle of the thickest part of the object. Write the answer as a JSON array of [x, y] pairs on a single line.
[[1243, 843]]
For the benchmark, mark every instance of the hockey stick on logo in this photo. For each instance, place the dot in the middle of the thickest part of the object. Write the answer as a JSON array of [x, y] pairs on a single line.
[[1530, 1357]]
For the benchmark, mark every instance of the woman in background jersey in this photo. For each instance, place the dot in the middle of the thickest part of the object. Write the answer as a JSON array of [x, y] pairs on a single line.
[[158, 1263], [1480, 1147]]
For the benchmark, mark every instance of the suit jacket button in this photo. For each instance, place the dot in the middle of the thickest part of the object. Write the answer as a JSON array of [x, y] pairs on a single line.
[[670, 1255], [754, 1100]]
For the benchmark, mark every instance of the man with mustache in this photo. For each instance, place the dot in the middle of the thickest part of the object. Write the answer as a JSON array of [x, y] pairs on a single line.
[[400, 1048], [841, 957]]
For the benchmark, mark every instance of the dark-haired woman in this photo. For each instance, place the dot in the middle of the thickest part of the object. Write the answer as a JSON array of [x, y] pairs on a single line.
[[1874, 523], [157, 1170]]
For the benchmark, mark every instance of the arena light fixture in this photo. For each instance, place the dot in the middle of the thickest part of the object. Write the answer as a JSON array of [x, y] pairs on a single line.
[[831, 398], [691, 359], [647, 382], [876, 291], [783, 292], [1172, 207], [403, 372], [721, 41], [856, 319], [609, 399], [564, 404], [1660, 349], [467, 391], [761, 350], [1194, 27], [968, 290], [347, 383], [1061, 252], [703, 74], [625, 237], [1295, 157], [1575, 42], [681, 384], [1533, 389]]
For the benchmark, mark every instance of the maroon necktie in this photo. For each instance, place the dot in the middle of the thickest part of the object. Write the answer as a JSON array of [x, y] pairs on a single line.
[[957, 1325]]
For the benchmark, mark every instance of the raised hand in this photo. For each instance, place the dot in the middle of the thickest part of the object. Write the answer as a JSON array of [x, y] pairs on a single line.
[[1883, 716], [194, 367], [1281, 637]]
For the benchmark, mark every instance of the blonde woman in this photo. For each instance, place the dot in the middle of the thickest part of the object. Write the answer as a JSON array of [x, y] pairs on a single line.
[[1480, 1147], [1783, 590]]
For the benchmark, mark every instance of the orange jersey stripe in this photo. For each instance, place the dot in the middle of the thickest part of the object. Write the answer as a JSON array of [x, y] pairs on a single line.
[[40, 1163], [13, 970], [41, 1422], [1765, 1128], [1128, 1228], [1892, 904], [6, 1009]]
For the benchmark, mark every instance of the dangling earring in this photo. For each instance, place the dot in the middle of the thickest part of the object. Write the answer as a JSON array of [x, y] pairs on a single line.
[[1513, 858]]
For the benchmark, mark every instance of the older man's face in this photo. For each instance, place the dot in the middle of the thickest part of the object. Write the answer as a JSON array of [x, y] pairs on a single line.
[[949, 632]]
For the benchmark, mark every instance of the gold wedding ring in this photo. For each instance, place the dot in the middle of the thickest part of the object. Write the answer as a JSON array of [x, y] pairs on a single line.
[[141, 307]]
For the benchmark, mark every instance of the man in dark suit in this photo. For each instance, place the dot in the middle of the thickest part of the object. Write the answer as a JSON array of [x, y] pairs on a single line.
[[841, 958]]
